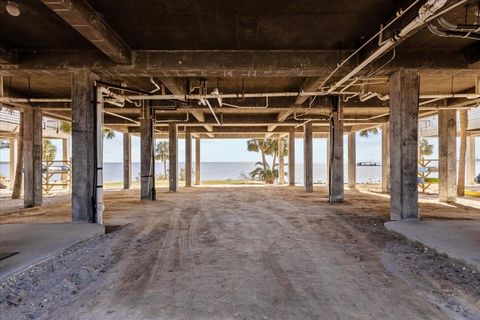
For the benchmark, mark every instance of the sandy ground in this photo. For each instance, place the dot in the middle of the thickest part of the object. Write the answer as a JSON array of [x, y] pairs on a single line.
[[243, 253]]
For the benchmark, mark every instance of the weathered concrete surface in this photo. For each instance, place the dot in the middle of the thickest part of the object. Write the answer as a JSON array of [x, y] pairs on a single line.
[[281, 159], [459, 239], [173, 157], [335, 168], [404, 89], [83, 146], [352, 160], [308, 157], [32, 155], [197, 161], [291, 157], [386, 158], [127, 161], [38, 242], [147, 165], [447, 154]]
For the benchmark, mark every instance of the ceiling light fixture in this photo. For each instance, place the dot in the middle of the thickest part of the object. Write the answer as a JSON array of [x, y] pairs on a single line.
[[13, 8]]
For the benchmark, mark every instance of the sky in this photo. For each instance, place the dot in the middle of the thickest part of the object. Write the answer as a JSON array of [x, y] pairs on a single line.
[[231, 150]]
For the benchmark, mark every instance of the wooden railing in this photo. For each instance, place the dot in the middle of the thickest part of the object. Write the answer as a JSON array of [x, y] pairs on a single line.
[[51, 169]]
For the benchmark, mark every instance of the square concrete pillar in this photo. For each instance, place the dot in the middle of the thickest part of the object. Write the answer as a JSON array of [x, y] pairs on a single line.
[[188, 158], [87, 119], [308, 156], [127, 161], [336, 179], [13, 161], [386, 158], [352, 160], [32, 157], [291, 157], [281, 163], [404, 93], [173, 157], [197, 161], [471, 159], [147, 155], [447, 155]]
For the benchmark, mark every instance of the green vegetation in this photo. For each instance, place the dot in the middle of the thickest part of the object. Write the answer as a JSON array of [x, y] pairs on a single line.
[[266, 147], [66, 127], [161, 153], [49, 150], [425, 148], [368, 132]]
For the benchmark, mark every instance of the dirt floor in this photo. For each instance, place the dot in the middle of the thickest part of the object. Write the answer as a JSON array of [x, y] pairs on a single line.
[[243, 253]]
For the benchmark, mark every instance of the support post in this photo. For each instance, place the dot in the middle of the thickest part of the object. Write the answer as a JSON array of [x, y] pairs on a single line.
[[173, 157], [404, 93], [352, 160], [32, 185], [281, 164], [386, 158], [65, 157], [462, 160], [327, 161], [127, 161], [197, 161], [147, 155], [308, 156], [291, 157], [87, 120], [13, 156], [447, 163], [188, 158], [336, 181], [471, 159]]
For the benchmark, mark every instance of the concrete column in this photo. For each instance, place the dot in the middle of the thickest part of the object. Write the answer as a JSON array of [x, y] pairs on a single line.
[[335, 181], [173, 157], [327, 161], [404, 91], [291, 157], [447, 155], [32, 184], [13, 160], [197, 161], [281, 164], [308, 156], [352, 160], [127, 161], [471, 160], [188, 158], [65, 157], [386, 158], [147, 155], [85, 148]]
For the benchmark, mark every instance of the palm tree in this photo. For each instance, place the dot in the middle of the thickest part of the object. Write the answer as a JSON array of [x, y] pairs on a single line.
[[267, 147], [367, 132], [425, 148], [49, 150], [66, 127], [17, 184], [161, 153], [108, 133]]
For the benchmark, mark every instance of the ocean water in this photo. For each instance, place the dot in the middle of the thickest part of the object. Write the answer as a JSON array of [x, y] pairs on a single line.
[[113, 171]]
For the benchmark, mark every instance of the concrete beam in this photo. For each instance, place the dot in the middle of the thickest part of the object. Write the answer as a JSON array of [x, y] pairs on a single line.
[[404, 91], [197, 161], [173, 157], [352, 160], [220, 63], [174, 85], [81, 17], [32, 155], [127, 161], [198, 114], [447, 154], [147, 153], [283, 115], [188, 158], [291, 157], [308, 157], [84, 151], [386, 158], [335, 169]]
